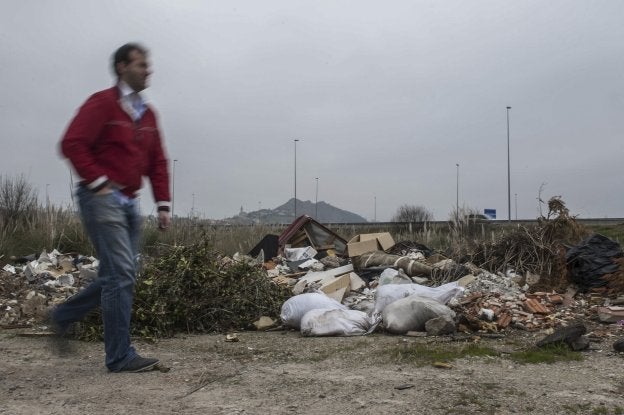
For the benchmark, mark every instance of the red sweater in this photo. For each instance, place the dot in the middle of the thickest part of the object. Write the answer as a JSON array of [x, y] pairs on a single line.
[[103, 142]]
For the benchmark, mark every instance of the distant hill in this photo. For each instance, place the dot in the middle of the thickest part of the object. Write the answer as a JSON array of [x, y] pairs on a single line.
[[285, 214]]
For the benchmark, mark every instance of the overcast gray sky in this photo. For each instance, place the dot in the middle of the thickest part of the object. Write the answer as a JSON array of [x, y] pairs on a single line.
[[385, 97]]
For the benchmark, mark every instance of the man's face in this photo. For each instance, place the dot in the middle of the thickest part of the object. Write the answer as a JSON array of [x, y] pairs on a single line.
[[135, 72]]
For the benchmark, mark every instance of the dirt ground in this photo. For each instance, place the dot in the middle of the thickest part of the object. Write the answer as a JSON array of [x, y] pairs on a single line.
[[284, 373]]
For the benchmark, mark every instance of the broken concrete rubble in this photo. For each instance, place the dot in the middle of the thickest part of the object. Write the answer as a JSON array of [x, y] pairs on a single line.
[[34, 305], [28, 291], [610, 314]]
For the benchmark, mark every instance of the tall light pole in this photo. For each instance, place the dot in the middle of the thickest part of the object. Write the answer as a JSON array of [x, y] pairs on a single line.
[[516, 201], [47, 196], [173, 187], [295, 141], [375, 212], [193, 207], [316, 201], [457, 195], [508, 172]]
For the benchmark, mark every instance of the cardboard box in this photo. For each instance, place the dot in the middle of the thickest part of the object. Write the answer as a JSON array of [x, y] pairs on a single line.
[[367, 242], [336, 288], [321, 277]]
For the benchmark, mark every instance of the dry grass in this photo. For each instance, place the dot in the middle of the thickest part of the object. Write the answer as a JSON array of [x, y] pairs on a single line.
[[28, 227]]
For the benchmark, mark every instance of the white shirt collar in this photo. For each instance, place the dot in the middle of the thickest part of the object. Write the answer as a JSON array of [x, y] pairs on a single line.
[[126, 100], [125, 90]]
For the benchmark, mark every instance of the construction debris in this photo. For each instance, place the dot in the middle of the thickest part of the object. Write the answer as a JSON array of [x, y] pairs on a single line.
[[570, 335], [264, 323], [535, 279], [305, 231], [365, 243], [410, 266]]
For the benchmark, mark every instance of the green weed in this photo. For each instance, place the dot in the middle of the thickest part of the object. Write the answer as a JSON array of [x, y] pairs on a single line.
[[420, 354], [550, 354]]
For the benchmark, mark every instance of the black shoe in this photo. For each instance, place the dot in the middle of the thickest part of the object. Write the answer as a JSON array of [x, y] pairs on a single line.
[[139, 364]]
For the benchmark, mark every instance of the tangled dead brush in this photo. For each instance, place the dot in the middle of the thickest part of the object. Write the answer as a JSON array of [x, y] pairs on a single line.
[[558, 226], [537, 249], [615, 280], [195, 289]]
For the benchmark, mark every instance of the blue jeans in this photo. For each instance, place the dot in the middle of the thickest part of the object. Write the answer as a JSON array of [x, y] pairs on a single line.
[[113, 224]]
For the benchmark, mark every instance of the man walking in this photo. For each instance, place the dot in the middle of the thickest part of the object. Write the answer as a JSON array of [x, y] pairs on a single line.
[[112, 142]]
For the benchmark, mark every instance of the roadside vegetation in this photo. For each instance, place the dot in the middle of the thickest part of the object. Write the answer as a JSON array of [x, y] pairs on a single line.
[[29, 226]]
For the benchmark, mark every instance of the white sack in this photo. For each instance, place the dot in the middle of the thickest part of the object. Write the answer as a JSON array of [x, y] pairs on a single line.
[[332, 322], [389, 293], [411, 314], [393, 276], [295, 307]]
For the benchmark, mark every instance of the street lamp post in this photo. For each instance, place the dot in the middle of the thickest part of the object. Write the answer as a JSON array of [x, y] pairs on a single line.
[[516, 203], [173, 188], [375, 212], [295, 141], [457, 195], [508, 172], [316, 201], [193, 207], [47, 196]]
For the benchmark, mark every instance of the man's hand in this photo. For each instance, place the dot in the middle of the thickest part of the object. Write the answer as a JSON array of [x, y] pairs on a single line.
[[164, 220], [105, 190]]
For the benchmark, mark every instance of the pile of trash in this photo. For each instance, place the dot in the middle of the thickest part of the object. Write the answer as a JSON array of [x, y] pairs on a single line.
[[396, 288], [311, 279], [33, 284], [189, 289]]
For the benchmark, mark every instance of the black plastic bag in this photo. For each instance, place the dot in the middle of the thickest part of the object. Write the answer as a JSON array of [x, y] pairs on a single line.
[[591, 259]]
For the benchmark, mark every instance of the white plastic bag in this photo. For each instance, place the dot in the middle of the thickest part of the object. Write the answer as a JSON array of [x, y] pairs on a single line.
[[333, 322], [393, 276], [389, 293], [411, 314], [296, 307]]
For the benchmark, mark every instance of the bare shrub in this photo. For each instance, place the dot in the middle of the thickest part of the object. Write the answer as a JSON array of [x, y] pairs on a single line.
[[18, 200], [412, 213]]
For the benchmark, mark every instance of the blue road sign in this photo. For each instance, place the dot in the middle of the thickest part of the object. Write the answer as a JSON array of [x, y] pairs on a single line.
[[490, 213]]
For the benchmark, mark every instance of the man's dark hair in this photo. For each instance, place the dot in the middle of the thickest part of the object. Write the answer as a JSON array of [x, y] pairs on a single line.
[[123, 54]]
